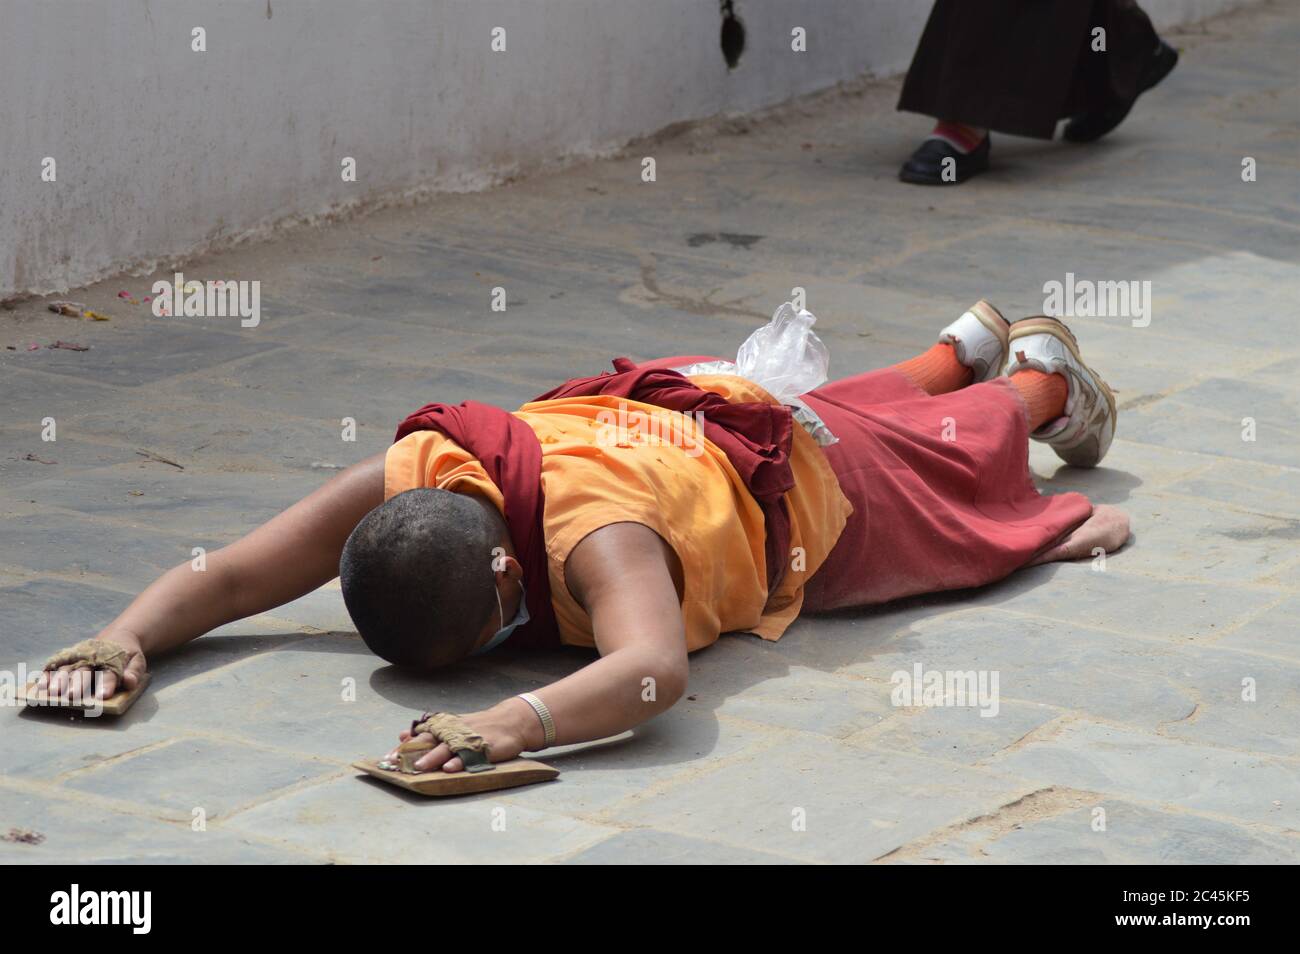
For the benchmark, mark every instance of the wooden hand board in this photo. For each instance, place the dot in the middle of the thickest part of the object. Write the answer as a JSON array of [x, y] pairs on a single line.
[[440, 783], [116, 705]]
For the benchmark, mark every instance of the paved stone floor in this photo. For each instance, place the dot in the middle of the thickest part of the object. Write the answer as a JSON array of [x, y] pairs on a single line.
[[1124, 694]]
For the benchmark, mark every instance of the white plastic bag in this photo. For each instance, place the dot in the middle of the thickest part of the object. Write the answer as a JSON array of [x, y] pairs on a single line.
[[785, 356]]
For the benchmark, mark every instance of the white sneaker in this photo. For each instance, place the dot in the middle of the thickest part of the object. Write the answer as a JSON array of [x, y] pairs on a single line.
[[979, 338], [1082, 436]]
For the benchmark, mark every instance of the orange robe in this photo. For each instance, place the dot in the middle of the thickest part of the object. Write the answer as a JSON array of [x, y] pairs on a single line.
[[609, 460]]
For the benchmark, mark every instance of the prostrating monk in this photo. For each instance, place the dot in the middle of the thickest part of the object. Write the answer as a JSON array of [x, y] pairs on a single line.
[[643, 513]]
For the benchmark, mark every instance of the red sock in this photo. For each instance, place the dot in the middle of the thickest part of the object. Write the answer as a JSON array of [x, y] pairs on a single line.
[[1044, 395], [963, 138], [937, 371]]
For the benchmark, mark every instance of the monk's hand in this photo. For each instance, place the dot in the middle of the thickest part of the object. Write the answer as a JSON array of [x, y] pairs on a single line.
[[503, 729], [69, 684], [1107, 529]]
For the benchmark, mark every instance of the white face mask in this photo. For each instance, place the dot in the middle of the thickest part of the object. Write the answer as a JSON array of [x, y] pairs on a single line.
[[504, 632]]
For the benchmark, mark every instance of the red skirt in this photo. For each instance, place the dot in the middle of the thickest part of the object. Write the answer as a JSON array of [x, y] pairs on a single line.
[[940, 486]]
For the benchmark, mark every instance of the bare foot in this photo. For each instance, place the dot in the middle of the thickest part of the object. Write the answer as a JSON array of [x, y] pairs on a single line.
[[1107, 528]]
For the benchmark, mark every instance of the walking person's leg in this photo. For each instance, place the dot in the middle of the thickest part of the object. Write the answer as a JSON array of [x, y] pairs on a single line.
[[997, 65], [1018, 67], [1122, 59]]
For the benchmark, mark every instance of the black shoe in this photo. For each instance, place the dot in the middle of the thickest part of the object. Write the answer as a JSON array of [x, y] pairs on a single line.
[[1089, 127], [926, 167]]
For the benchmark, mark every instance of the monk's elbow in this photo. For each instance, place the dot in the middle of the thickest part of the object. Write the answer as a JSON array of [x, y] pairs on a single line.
[[667, 678]]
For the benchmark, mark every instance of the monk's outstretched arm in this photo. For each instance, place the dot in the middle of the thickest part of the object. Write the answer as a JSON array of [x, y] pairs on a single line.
[[620, 574], [288, 556]]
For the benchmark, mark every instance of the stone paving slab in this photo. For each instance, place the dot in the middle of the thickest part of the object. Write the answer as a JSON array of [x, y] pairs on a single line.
[[1228, 545], [839, 640], [664, 848], [1142, 468], [208, 507], [47, 744], [134, 357], [1138, 765], [247, 440], [1261, 487], [326, 696], [1203, 297], [321, 609], [1021, 251], [370, 822], [1172, 609], [1272, 632], [74, 832], [43, 615], [853, 805], [1133, 835], [956, 734], [1107, 676], [213, 657], [29, 400], [1158, 368], [276, 384], [683, 745], [1189, 692], [67, 544], [28, 459], [184, 776]]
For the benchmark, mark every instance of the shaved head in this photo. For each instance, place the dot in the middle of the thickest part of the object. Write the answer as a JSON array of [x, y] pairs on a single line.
[[417, 576]]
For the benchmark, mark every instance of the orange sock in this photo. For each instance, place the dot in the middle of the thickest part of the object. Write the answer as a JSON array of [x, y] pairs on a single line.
[[937, 371], [1043, 394]]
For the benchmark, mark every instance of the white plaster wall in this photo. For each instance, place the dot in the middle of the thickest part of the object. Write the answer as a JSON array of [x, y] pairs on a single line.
[[162, 151]]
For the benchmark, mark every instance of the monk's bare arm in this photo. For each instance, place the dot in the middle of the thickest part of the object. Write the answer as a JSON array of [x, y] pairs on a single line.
[[620, 574], [288, 556]]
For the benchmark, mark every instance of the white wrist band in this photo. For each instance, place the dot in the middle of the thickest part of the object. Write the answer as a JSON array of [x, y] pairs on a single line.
[[543, 713]]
